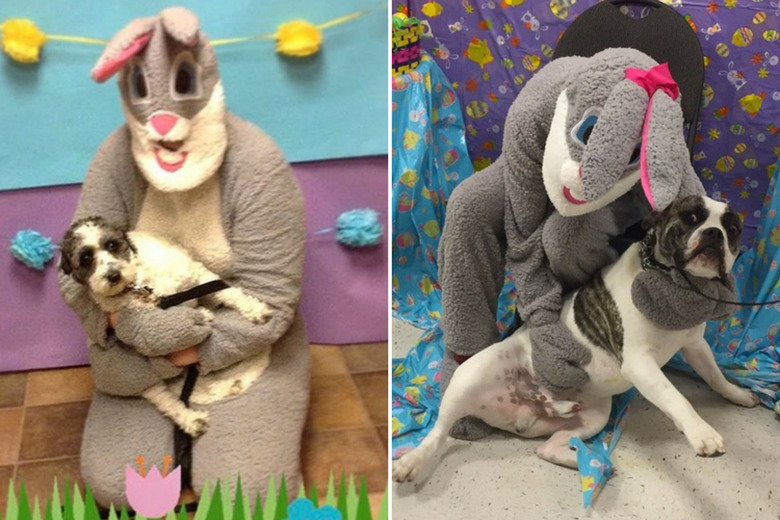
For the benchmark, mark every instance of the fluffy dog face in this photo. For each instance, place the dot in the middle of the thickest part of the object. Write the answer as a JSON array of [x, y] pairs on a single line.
[[99, 256], [699, 235]]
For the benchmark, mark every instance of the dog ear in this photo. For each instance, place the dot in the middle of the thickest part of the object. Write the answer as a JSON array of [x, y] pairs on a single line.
[[66, 245]]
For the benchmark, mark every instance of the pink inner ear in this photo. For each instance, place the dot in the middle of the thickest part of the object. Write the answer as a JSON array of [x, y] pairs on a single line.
[[644, 174], [110, 66]]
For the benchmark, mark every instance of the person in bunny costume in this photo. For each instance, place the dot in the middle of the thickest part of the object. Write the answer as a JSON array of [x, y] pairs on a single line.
[[188, 170], [591, 145]]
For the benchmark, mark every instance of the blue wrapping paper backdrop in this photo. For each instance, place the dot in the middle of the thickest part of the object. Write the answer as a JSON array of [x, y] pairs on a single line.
[[489, 49], [332, 105]]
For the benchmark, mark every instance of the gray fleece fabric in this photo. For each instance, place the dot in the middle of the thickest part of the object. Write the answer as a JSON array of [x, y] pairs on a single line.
[[548, 256], [262, 216], [665, 298]]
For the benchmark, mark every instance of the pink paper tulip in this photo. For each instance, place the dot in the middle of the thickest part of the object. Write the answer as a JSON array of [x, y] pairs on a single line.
[[154, 494]]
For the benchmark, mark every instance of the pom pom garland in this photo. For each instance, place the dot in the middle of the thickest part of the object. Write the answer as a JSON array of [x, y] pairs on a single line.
[[298, 38], [359, 228], [21, 40], [32, 249]]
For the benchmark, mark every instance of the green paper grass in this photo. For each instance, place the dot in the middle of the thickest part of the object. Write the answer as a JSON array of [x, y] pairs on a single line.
[[218, 504]]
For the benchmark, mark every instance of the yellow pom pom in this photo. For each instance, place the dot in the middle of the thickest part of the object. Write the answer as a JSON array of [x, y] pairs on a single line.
[[298, 38], [22, 40]]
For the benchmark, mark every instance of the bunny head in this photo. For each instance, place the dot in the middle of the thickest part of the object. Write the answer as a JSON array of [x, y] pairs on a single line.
[[172, 98], [618, 123]]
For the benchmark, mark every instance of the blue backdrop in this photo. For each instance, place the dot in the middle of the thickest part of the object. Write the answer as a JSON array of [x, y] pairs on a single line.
[[53, 117]]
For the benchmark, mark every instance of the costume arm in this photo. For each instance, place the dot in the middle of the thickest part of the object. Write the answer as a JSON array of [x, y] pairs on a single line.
[[267, 242]]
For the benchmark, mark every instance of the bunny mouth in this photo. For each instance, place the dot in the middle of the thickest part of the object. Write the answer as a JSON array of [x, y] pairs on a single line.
[[167, 165], [567, 194], [172, 146]]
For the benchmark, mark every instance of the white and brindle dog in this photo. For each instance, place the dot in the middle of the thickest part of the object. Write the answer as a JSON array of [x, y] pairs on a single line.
[[497, 385], [133, 269]]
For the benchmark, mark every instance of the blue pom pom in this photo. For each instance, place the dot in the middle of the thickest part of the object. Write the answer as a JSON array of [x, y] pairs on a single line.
[[32, 249], [359, 228]]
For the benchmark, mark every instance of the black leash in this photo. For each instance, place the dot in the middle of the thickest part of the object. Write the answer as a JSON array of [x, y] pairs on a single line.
[[182, 442], [649, 262]]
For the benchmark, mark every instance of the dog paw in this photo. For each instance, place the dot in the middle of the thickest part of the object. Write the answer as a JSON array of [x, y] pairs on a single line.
[[705, 440], [407, 467], [195, 423], [208, 316], [741, 396], [564, 409], [257, 311]]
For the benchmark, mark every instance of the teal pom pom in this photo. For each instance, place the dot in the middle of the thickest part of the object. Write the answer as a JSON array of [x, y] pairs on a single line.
[[32, 249], [359, 228]]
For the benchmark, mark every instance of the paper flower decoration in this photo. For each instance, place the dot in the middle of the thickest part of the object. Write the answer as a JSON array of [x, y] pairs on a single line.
[[359, 228], [303, 509], [32, 249], [22, 40], [153, 495], [298, 38]]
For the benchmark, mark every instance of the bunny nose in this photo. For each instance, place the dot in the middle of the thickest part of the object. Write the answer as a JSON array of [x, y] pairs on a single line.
[[162, 123]]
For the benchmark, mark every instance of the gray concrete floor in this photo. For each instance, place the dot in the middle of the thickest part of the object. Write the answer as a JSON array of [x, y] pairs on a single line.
[[657, 475]]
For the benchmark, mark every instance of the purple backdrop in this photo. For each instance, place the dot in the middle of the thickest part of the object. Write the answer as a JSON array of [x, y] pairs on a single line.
[[490, 48], [344, 295]]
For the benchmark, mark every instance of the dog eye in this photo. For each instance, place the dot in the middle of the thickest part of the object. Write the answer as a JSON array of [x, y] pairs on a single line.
[[733, 229], [85, 259], [112, 245], [692, 218]]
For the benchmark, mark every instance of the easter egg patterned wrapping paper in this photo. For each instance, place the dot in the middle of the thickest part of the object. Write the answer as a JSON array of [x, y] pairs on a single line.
[[489, 49]]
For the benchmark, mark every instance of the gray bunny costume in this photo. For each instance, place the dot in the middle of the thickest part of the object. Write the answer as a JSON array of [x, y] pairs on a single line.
[[185, 168], [568, 186]]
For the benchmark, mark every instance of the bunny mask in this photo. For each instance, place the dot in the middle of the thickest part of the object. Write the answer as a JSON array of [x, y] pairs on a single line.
[[618, 120], [172, 98]]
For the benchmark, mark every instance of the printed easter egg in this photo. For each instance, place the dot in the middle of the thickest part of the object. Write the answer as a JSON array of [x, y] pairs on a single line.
[[416, 76], [450, 156], [409, 178], [479, 52], [722, 49], [432, 9], [515, 3], [740, 147], [405, 240], [742, 37], [410, 139], [560, 8], [771, 35], [706, 95], [405, 203], [426, 286], [725, 163], [447, 99], [477, 109], [706, 174], [519, 79], [547, 51], [750, 163], [759, 17], [531, 62], [737, 129], [480, 163], [431, 228], [507, 63]]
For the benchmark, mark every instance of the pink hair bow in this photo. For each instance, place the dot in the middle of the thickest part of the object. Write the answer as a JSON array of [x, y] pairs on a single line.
[[651, 80]]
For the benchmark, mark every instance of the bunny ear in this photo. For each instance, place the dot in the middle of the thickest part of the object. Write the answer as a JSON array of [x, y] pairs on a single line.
[[124, 45], [181, 24], [664, 157]]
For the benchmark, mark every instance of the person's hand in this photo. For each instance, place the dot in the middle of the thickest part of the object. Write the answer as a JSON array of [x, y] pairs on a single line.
[[112, 317], [183, 358]]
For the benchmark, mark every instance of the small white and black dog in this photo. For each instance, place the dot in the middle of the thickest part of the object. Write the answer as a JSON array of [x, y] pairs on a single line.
[[124, 269], [696, 234]]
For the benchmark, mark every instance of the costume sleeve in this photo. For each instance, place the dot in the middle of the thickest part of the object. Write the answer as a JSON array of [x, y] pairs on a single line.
[[267, 242]]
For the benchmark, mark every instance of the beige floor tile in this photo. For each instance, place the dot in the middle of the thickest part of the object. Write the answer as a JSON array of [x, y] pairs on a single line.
[[335, 404], [327, 360], [38, 477], [366, 357], [373, 389], [10, 434], [59, 386], [12, 387], [53, 430]]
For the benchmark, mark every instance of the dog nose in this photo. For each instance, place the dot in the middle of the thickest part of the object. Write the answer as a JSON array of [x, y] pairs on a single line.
[[162, 123], [113, 277], [713, 233]]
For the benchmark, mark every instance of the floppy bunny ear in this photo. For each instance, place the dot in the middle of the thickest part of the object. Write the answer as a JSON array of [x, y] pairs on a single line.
[[181, 24], [613, 139], [124, 45], [666, 168]]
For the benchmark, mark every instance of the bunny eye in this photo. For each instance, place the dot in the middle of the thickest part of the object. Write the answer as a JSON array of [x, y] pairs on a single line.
[[138, 83], [635, 154], [582, 130], [184, 78]]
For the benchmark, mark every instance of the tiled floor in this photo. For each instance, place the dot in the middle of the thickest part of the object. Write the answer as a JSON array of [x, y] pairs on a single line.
[[42, 416], [656, 475]]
